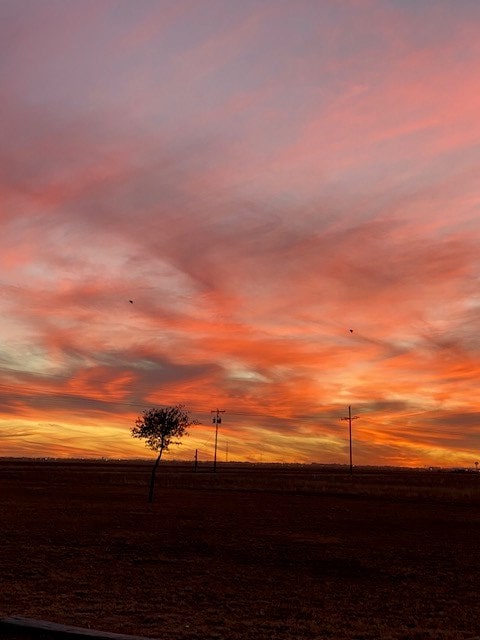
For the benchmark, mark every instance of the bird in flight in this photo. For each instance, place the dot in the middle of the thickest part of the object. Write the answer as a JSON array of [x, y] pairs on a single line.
[[351, 330], [131, 301]]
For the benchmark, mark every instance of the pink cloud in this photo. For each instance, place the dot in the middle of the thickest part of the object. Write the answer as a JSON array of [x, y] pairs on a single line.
[[258, 181]]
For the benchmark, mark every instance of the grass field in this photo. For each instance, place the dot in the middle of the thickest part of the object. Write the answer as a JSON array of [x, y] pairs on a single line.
[[247, 553]]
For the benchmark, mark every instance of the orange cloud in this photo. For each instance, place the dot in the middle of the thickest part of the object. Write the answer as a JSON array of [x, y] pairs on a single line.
[[289, 198]]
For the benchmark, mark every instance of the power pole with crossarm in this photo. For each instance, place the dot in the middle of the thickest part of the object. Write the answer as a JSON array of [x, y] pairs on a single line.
[[216, 421], [350, 418]]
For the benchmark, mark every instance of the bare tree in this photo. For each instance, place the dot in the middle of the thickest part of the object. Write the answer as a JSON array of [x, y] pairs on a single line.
[[159, 427]]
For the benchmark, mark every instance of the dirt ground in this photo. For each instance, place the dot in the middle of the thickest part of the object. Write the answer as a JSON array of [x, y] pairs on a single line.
[[219, 560]]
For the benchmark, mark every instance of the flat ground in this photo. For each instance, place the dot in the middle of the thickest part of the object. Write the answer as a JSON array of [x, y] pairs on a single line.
[[242, 554]]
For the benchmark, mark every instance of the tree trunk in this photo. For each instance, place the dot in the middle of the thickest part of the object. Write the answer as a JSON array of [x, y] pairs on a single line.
[[152, 477]]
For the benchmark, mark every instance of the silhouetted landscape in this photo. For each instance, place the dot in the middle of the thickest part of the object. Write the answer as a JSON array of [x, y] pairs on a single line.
[[252, 551]]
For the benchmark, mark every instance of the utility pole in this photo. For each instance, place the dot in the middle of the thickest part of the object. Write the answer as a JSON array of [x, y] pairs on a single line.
[[216, 421], [350, 418]]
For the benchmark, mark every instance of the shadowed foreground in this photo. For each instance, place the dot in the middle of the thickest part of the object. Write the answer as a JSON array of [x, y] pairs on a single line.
[[216, 558]]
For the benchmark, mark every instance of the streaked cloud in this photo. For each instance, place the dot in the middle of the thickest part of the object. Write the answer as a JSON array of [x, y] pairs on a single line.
[[259, 180]]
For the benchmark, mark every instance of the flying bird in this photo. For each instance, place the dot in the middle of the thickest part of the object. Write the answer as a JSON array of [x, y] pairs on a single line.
[[131, 301], [351, 330]]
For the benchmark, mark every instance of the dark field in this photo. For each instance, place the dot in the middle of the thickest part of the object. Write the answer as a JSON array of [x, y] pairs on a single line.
[[242, 554]]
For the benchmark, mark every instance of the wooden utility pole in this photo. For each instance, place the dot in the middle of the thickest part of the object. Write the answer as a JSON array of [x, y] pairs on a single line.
[[216, 421], [350, 418]]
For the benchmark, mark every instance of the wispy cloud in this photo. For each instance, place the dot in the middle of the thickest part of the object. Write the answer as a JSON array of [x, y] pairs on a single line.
[[269, 208]]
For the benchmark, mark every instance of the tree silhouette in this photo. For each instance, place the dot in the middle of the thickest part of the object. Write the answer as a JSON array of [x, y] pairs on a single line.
[[158, 427]]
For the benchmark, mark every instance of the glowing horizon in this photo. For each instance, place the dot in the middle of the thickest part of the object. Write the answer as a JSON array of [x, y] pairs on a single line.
[[259, 180]]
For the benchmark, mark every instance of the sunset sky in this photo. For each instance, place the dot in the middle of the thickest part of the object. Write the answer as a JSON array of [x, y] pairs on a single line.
[[259, 178]]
